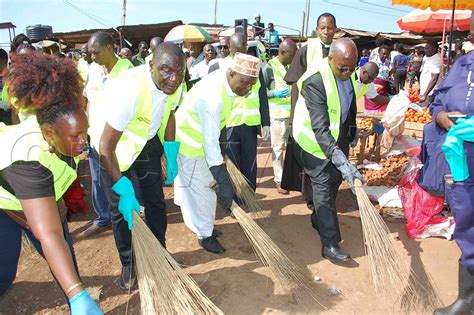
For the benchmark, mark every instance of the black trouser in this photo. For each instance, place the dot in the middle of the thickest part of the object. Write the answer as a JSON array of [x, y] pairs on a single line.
[[325, 183], [241, 148], [147, 170]]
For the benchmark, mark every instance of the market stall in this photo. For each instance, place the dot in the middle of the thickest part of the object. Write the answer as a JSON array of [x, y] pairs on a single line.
[[387, 155]]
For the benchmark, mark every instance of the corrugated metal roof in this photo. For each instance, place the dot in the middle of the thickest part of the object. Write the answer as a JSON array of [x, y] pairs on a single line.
[[132, 33]]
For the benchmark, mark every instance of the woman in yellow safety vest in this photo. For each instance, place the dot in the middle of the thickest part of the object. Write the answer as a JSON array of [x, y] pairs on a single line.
[[37, 165]]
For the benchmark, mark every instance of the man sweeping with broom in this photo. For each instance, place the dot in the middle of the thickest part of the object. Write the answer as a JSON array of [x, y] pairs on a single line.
[[323, 126], [199, 123], [139, 127]]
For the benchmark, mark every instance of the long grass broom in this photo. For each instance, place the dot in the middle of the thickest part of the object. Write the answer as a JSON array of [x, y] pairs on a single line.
[[390, 275], [242, 188], [164, 287], [288, 275]]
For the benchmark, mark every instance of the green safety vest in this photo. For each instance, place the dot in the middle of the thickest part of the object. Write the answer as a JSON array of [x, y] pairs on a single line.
[[262, 51], [246, 110], [188, 124], [135, 136], [302, 131], [280, 108], [314, 52], [25, 142], [120, 66], [97, 123]]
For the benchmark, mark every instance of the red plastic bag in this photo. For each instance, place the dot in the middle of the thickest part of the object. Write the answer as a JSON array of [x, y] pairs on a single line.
[[418, 205], [74, 198]]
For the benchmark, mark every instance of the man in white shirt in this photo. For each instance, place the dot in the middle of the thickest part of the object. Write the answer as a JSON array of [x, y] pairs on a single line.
[[139, 128], [430, 69], [202, 69], [200, 121], [105, 68]]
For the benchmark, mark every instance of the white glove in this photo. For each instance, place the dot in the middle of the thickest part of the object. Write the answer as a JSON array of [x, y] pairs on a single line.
[[266, 133]]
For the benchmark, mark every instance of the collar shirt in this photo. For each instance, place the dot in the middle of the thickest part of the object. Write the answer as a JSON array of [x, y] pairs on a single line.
[[201, 69], [346, 94]]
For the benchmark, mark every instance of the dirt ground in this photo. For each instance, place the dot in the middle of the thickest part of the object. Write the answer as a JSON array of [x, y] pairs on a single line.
[[236, 281]]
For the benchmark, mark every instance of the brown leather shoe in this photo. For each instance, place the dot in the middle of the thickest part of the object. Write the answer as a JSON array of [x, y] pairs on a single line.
[[281, 190], [95, 230]]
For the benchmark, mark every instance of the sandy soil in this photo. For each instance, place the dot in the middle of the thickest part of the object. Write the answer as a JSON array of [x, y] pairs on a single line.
[[237, 281]]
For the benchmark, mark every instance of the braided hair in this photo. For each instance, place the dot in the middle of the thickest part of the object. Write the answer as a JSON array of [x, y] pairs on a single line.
[[46, 85]]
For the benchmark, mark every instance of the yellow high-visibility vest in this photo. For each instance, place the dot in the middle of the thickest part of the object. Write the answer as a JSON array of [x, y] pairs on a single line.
[[135, 136], [188, 124], [302, 131], [25, 142], [280, 108], [246, 110], [314, 52]]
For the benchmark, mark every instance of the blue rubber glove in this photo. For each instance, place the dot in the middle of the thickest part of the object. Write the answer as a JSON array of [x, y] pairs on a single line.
[[171, 153], [128, 202], [83, 304], [453, 147], [281, 93]]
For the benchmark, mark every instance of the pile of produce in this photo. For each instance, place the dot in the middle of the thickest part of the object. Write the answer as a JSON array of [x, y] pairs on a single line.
[[423, 116], [414, 95], [365, 123], [389, 175]]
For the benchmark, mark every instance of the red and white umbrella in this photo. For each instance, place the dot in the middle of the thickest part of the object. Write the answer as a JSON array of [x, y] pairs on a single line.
[[428, 21]]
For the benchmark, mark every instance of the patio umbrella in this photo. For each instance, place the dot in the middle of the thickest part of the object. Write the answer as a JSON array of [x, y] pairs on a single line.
[[189, 34], [428, 21], [440, 5]]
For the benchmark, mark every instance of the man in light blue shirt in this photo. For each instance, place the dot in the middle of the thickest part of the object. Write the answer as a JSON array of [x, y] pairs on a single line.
[[272, 38], [271, 35]]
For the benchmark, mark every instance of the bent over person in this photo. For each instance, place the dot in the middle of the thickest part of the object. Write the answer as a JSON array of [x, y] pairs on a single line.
[[139, 128], [37, 165], [201, 121]]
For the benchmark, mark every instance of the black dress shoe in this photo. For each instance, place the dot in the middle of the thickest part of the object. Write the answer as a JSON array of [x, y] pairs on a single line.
[[216, 233], [335, 253], [128, 278], [211, 244]]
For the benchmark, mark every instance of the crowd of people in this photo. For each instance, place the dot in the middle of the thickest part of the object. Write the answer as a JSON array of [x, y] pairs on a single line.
[[127, 111]]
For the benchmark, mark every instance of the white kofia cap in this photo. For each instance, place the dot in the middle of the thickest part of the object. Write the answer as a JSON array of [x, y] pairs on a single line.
[[246, 64]]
